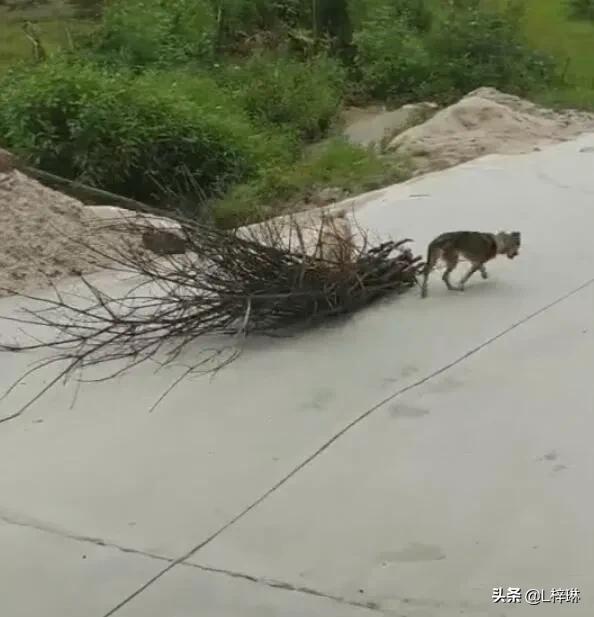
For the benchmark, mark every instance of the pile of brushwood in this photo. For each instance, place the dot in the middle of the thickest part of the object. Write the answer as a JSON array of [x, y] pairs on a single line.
[[258, 280]]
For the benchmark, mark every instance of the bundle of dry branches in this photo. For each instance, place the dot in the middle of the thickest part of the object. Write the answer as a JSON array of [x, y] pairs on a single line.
[[265, 279]]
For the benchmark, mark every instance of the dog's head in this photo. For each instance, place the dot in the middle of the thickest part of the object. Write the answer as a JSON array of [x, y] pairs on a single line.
[[509, 243]]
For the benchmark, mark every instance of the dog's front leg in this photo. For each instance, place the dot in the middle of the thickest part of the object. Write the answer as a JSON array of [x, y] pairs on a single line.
[[483, 271], [465, 278]]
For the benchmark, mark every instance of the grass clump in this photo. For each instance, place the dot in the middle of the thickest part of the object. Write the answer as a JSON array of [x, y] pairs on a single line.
[[335, 163]]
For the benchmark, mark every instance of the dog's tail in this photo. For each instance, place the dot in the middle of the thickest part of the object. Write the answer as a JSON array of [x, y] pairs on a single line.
[[433, 254]]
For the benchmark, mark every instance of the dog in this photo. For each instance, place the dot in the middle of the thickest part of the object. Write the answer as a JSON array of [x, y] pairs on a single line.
[[475, 246]]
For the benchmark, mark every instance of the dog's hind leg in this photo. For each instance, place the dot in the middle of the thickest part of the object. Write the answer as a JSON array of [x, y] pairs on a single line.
[[432, 257], [451, 259]]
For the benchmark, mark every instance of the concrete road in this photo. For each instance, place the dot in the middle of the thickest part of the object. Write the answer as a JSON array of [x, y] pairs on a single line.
[[405, 463]]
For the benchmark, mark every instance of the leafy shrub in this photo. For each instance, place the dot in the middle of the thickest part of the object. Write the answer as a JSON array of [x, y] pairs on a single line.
[[299, 96], [472, 46], [581, 9], [203, 92], [467, 46], [129, 135], [391, 57], [137, 33]]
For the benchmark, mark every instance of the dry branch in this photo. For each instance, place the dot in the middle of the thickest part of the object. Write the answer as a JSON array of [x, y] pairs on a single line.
[[266, 279]]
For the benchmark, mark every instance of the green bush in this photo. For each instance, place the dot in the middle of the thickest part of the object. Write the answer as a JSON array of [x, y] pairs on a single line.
[[581, 9], [466, 46], [471, 46], [300, 96], [392, 61], [139, 137], [267, 145], [138, 33]]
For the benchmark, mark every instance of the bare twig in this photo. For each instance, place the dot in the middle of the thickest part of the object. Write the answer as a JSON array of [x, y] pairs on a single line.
[[255, 280]]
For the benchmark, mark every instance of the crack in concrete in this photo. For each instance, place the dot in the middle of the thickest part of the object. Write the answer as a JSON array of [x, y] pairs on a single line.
[[31, 524], [273, 583], [370, 605], [278, 584], [340, 433]]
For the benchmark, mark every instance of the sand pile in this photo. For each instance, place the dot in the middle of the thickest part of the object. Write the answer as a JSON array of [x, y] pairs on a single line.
[[45, 234], [486, 121]]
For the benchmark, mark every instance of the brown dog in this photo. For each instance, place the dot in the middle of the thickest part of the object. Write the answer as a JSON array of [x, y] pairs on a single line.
[[475, 246]]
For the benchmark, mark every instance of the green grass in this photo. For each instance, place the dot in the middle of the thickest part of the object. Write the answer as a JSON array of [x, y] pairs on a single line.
[[52, 20], [572, 41], [334, 162], [549, 27]]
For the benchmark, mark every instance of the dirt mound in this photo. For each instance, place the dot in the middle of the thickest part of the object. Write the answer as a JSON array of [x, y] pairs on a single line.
[[486, 121], [46, 235]]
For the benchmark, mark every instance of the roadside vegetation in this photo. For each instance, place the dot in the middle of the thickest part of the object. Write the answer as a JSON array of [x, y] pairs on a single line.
[[565, 30], [231, 108]]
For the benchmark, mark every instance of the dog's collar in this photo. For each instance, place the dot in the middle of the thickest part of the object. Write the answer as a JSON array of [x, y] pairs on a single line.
[[499, 243]]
